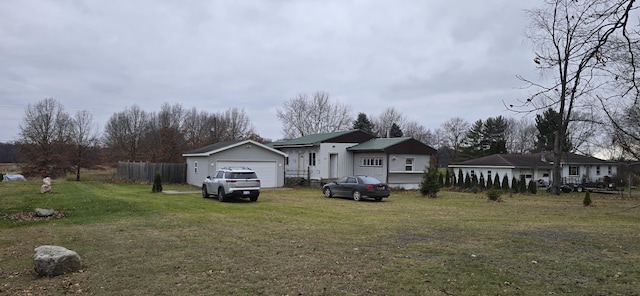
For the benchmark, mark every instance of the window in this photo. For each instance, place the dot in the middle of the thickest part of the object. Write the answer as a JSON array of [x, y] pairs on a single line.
[[286, 160], [574, 171], [472, 173], [352, 180], [312, 158], [488, 175], [609, 171], [195, 167], [408, 165], [598, 170], [371, 161]]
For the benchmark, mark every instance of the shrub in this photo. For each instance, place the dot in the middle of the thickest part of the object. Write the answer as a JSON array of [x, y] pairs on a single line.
[[514, 185], [496, 181], [494, 195], [157, 183], [467, 181], [522, 184], [489, 183], [460, 180], [533, 187], [447, 179], [481, 182], [505, 183], [430, 184], [587, 199]]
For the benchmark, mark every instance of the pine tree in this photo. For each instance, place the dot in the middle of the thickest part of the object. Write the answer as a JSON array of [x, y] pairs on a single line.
[[489, 183], [460, 180], [505, 183], [515, 187], [481, 183], [447, 179], [363, 124], [496, 181], [522, 184], [430, 184]]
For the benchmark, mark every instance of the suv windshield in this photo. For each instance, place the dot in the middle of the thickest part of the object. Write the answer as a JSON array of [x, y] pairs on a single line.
[[241, 175]]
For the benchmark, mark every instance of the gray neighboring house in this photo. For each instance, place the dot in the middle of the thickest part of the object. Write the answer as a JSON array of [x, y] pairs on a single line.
[[268, 163], [399, 162], [576, 169]]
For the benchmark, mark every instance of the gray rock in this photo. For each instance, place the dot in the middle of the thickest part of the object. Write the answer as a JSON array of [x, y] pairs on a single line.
[[55, 260], [45, 212]]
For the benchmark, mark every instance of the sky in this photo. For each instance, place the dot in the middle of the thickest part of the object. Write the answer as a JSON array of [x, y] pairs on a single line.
[[430, 60]]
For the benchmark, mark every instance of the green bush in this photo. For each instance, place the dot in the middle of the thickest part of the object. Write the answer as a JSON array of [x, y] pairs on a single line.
[[430, 184], [505, 183], [494, 195], [587, 199], [522, 184], [533, 187], [157, 183]]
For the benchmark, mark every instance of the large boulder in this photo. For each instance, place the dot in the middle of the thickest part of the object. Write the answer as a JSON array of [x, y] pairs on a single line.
[[55, 260]]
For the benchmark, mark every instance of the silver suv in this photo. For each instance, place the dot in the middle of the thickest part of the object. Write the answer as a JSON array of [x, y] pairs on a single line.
[[230, 182]]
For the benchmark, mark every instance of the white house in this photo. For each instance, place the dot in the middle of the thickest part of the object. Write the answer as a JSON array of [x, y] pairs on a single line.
[[576, 169], [268, 163], [399, 162]]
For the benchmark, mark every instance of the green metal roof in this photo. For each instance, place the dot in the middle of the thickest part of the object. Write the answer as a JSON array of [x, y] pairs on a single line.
[[378, 144], [310, 139]]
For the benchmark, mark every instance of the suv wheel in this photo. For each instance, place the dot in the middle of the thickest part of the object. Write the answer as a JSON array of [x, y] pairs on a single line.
[[205, 194], [221, 194], [253, 198]]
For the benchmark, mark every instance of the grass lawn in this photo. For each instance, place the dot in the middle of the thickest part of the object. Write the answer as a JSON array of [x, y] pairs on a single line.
[[297, 242]]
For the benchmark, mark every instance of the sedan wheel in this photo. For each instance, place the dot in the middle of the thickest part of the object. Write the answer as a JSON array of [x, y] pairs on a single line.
[[327, 192], [221, 194], [356, 195], [205, 194]]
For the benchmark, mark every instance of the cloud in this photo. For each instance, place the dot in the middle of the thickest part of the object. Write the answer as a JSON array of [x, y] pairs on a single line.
[[431, 60]]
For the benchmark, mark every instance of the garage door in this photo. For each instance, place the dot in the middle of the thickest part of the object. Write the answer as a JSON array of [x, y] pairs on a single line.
[[266, 170]]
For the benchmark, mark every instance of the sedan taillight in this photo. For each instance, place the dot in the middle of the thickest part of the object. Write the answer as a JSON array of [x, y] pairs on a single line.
[[369, 187]]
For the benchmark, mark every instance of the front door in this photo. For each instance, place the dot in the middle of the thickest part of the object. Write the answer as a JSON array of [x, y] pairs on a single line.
[[333, 166]]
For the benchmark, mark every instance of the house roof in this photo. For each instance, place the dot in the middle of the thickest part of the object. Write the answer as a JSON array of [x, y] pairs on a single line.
[[350, 136], [405, 145], [221, 146], [544, 159]]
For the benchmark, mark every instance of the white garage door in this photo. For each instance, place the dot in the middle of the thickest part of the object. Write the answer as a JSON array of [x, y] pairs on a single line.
[[266, 170]]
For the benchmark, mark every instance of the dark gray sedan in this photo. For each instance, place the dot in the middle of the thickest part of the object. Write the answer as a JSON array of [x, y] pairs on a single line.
[[357, 187]]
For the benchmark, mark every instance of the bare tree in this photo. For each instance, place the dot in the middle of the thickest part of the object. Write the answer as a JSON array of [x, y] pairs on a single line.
[[84, 138], [569, 38], [453, 134], [520, 135], [45, 137], [234, 124], [419, 132], [306, 115], [384, 122], [124, 133]]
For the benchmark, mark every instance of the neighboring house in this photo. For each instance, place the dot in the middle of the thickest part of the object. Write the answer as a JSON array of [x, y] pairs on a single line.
[[268, 163], [399, 162], [576, 169]]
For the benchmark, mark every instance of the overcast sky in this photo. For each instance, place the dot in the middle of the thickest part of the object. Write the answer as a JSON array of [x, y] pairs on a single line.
[[431, 60]]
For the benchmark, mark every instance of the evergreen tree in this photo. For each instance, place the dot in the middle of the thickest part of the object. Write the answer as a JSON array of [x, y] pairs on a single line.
[[363, 123], [440, 179], [481, 182], [474, 181], [447, 179], [522, 184], [489, 183], [496, 181], [533, 187], [515, 187], [460, 180], [395, 131], [547, 125], [505, 183], [430, 184], [467, 181]]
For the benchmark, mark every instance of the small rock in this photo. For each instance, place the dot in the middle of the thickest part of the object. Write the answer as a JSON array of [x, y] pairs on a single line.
[[45, 212]]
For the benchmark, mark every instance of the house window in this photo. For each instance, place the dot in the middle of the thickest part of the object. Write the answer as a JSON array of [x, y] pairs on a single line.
[[195, 167], [472, 173], [312, 158], [598, 170], [408, 165], [488, 175], [371, 161], [286, 160], [574, 171], [609, 171]]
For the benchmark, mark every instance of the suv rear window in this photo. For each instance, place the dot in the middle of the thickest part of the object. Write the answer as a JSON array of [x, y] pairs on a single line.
[[241, 175]]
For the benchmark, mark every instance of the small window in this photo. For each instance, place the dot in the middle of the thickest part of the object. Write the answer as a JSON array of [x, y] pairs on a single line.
[[371, 161], [352, 180], [574, 171], [220, 174], [408, 165], [312, 158], [609, 171], [598, 170], [195, 167]]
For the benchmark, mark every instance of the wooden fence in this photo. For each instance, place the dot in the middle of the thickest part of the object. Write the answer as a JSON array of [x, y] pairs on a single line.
[[146, 171]]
